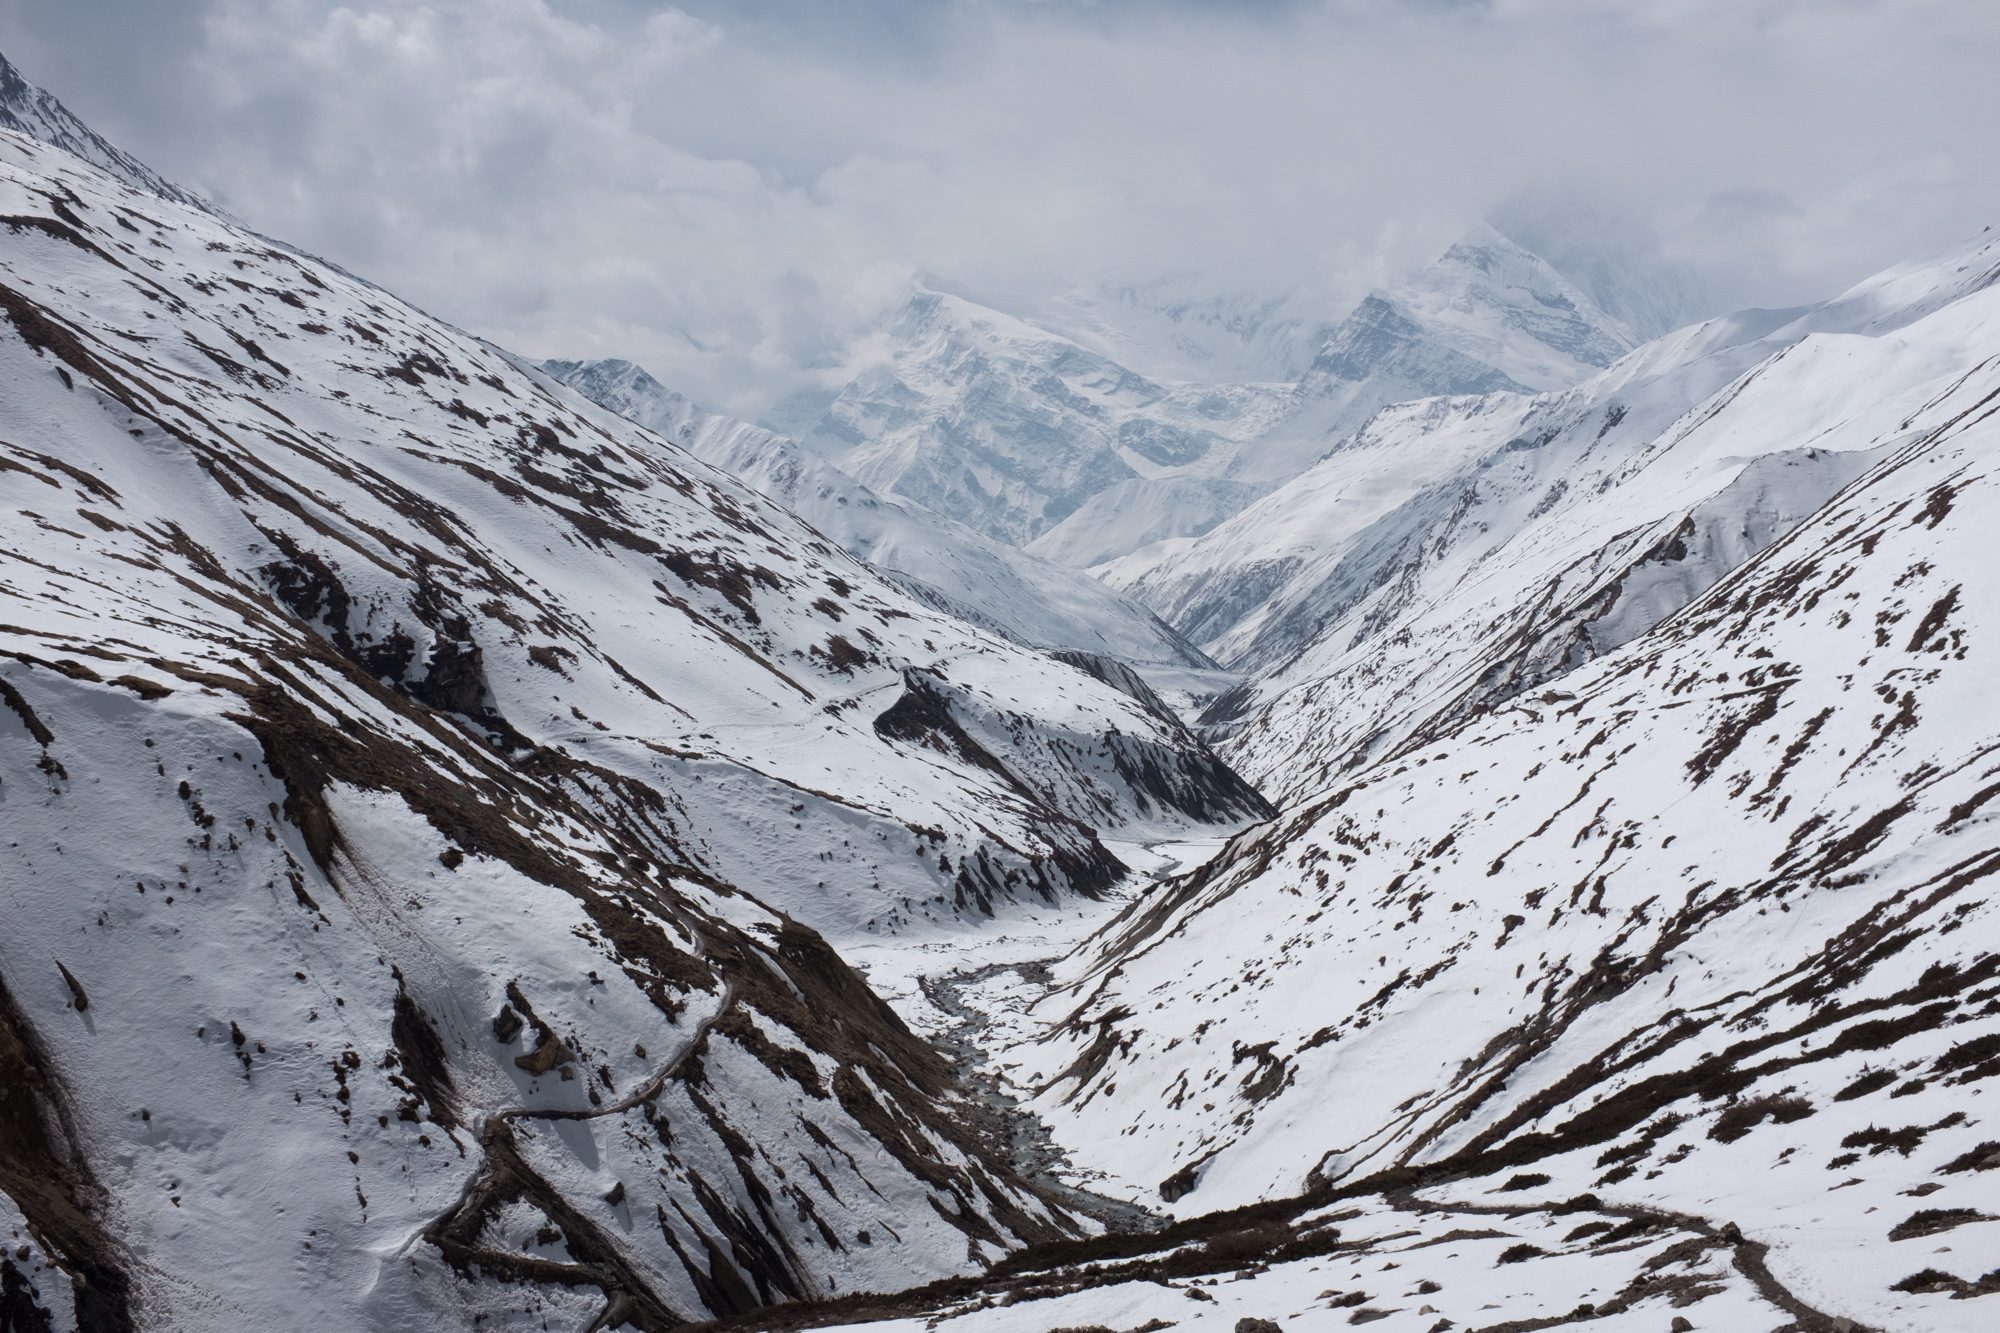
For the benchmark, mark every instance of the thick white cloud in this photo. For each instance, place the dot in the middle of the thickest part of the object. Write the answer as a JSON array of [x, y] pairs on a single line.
[[730, 194]]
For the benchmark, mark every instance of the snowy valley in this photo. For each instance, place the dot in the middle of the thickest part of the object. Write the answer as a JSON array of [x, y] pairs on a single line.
[[1160, 810]]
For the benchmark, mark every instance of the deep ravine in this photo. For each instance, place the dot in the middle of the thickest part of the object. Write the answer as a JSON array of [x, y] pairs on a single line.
[[931, 979]]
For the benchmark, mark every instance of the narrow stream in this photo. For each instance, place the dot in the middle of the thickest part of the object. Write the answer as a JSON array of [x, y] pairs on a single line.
[[968, 1042], [1030, 1146]]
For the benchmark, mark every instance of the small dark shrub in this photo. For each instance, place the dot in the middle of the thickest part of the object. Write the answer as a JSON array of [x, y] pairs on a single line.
[[1930, 1221], [1741, 1117]]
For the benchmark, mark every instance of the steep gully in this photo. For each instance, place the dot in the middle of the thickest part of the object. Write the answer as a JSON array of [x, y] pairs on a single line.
[[998, 1104], [1030, 1148]]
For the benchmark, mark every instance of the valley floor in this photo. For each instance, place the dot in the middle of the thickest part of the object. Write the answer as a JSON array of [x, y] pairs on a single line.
[[975, 990]]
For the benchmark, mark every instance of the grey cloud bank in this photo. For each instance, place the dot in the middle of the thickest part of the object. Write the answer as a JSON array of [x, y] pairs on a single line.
[[732, 194]]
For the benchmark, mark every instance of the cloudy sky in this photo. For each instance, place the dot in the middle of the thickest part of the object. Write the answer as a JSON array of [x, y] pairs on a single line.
[[731, 192]]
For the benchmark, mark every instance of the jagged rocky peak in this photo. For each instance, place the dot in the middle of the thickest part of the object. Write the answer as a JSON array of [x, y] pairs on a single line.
[[1011, 428], [1532, 307], [629, 384], [1616, 259], [1485, 316], [1378, 338]]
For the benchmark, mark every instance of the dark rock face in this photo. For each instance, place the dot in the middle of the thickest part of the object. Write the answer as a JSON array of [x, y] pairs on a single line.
[[1177, 780], [1185, 778], [452, 677], [1181, 1183], [44, 1170]]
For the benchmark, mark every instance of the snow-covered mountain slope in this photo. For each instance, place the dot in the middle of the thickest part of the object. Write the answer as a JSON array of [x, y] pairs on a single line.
[[1488, 299], [361, 681], [1120, 522], [1173, 328], [1702, 926], [1225, 587], [1457, 551], [1485, 317], [1042, 432], [1406, 1260], [1009, 427], [1292, 569], [1031, 601], [1648, 968], [30, 110]]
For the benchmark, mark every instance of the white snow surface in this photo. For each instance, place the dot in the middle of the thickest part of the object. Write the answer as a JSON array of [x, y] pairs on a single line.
[[1045, 431], [1031, 601], [469, 861]]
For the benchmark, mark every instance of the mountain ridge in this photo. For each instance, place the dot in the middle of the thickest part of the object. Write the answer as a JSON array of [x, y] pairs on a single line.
[[390, 736], [1036, 438], [30, 110], [1033, 602]]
